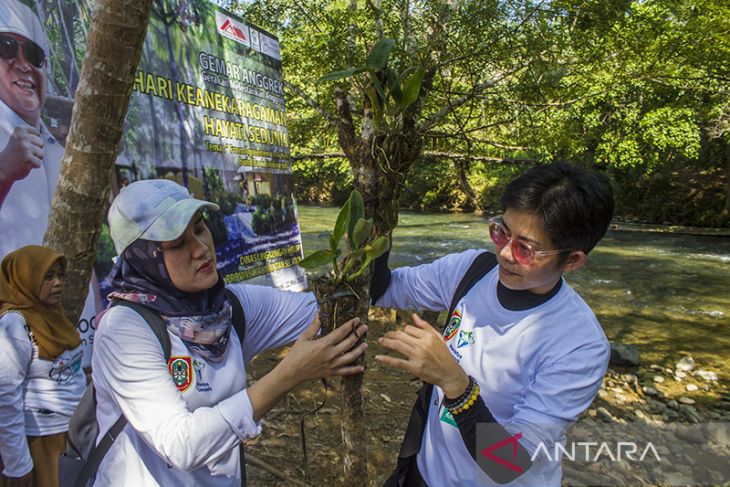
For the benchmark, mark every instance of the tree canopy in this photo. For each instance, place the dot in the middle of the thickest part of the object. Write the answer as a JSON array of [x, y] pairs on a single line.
[[635, 88]]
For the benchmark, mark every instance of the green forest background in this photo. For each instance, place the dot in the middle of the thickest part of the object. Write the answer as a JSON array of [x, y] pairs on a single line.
[[637, 89]]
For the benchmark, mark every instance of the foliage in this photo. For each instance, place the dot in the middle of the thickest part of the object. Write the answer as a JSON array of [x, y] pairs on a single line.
[[631, 86], [105, 253], [359, 248], [327, 181]]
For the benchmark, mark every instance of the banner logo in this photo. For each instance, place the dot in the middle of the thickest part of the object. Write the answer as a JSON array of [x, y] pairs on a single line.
[[232, 29]]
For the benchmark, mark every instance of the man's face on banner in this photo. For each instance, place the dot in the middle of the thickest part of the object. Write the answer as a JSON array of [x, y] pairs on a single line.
[[22, 85]]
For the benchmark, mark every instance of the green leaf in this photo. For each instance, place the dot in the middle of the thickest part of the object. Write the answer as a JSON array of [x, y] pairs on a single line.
[[379, 88], [361, 232], [357, 211], [412, 88], [333, 242], [372, 252], [342, 224], [335, 75], [376, 248], [393, 85], [379, 54], [318, 258]]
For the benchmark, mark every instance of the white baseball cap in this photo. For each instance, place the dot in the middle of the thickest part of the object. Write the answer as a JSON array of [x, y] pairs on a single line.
[[17, 18], [154, 209]]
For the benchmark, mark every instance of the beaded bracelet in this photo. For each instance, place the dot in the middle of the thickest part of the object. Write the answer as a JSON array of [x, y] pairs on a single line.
[[466, 400]]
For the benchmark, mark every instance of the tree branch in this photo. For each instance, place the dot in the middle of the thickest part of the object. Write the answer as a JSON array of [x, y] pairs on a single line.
[[331, 119], [463, 135], [445, 155], [435, 118], [345, 127]]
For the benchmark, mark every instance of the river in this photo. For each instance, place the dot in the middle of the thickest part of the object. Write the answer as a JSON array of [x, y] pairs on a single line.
[[667, 293]]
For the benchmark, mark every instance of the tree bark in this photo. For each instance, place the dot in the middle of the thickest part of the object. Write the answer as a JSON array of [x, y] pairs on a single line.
[[102, 98], [725, 213]]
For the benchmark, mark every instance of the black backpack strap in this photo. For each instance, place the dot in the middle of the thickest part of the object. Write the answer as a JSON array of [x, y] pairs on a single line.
[[239, 318], [483, 263], [413, 438], [239, 323], [154, 320]]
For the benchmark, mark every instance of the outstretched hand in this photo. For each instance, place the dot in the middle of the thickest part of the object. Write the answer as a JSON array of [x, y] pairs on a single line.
[[427, 357], [331, 355]]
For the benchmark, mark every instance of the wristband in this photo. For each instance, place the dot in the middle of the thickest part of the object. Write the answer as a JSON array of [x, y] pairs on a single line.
[[465, 401]]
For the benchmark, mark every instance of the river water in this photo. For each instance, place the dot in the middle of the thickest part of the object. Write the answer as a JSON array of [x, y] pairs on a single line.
[[667, 293]]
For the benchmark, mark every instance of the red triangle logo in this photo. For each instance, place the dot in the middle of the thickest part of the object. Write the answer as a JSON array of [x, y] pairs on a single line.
[[488, 452]]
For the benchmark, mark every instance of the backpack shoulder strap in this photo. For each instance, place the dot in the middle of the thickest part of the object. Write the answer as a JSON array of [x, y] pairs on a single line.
[[154, 320], [481, 265], [239, 318], [413, 438]]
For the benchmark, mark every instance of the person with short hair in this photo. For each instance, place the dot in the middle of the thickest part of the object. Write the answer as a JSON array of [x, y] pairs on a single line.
[[521, 356], [41, 379], [188, 415]]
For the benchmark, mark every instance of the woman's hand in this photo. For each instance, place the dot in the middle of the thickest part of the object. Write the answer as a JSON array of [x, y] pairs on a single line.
[[313, 358], [310, 358], [427, 357]]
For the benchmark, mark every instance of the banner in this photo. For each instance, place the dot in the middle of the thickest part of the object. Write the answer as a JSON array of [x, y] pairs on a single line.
[[30, 151], [207, 110]]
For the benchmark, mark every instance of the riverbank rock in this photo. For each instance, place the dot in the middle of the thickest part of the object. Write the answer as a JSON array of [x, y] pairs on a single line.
[[685, 364], [624, 354], [706, 375]]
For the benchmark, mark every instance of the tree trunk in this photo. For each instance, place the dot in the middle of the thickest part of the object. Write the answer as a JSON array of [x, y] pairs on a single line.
[[337, 305], [461, 173], [725, 214], [102, 98]]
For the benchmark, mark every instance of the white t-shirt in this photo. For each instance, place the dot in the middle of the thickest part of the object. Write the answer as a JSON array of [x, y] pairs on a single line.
[[189, 434], [537, 369], [37, 396]]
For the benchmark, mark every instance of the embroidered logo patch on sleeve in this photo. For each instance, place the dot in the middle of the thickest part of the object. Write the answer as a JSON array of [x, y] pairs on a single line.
[[181, 371], [453, 326]]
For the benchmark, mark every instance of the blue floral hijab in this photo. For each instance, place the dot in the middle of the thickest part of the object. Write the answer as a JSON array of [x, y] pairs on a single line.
[[201, 320]]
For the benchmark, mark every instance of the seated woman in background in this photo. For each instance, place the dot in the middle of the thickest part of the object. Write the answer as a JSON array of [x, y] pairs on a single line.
[[188, 414], [41, 379]]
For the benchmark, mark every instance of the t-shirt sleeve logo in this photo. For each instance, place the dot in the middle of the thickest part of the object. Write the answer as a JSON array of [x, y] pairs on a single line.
[[452, 326], [181, 371]]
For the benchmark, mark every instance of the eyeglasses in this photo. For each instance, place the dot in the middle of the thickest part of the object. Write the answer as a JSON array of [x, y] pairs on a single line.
[[9, 47], [523, 251]]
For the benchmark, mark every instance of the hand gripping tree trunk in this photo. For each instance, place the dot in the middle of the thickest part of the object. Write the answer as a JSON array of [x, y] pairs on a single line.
[[114, 47]]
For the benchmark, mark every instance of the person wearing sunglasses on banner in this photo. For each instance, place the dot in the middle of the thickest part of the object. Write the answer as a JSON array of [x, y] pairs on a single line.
[[30, 157], [187, 415], [521, 355]]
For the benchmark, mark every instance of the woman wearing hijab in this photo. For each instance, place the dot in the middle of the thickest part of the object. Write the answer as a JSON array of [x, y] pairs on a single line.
[[188, 415], [41, 379]]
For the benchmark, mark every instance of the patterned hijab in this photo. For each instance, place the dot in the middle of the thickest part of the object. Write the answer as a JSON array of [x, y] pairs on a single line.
[[202, 320], [21, 278]]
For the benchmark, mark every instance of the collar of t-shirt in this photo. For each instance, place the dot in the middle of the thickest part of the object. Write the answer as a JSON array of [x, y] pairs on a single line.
[[513, 300]]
